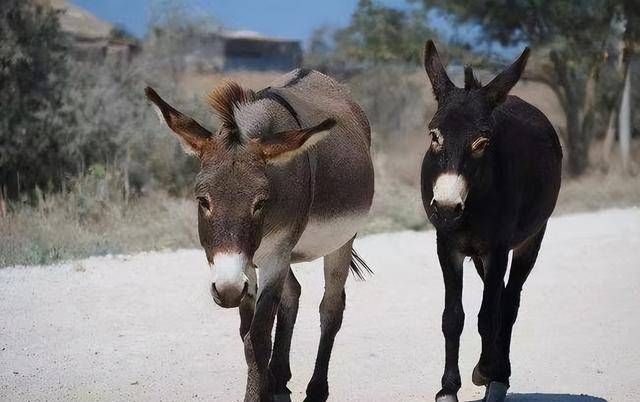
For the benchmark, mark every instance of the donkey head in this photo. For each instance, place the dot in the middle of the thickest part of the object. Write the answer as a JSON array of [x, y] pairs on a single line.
[[232, 187], [460, 135]]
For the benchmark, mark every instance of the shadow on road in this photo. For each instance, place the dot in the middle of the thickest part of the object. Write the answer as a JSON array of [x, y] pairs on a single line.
[[550, 398]]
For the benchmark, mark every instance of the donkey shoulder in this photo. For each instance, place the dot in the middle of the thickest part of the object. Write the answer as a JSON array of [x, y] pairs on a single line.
[[309, 81], [313, 94], [527, 120]]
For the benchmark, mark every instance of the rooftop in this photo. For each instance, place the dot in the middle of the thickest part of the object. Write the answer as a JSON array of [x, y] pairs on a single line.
[[80, 22], [246, 34]]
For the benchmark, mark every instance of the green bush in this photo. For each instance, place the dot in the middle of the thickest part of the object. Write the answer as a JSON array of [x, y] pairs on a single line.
[[36, 125]]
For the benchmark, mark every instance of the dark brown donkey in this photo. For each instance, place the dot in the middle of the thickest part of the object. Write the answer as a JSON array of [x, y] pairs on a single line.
[[286, 178], [490, 180]]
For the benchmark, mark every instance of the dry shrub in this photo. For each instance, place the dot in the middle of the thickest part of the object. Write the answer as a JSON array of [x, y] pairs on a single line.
[[397, 204], [596, 191], [92, 218], [397, 101]]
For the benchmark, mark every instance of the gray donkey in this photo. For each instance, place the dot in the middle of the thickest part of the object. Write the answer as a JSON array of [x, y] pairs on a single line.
[[286, 178]]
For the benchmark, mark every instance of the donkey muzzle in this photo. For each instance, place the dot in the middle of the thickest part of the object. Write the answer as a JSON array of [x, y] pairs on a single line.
[[229, 284], [447, 206], [228, 297], [445, 214]]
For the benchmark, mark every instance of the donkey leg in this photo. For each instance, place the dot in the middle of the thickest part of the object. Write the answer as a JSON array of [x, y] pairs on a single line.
[[248, 303], [477, 262], [336, 270], [287, 312], [489, 368], [452, 319], [257, 342], [524, 257]]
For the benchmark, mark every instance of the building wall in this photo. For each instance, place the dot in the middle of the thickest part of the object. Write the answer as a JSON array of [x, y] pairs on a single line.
[[205, 54], [261, 55], [103, 50]]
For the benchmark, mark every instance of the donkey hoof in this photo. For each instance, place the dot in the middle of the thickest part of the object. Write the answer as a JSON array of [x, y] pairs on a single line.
[[281, 397], [478, 377], [316, 398], [442, 397], [496, 392], [317, 391]]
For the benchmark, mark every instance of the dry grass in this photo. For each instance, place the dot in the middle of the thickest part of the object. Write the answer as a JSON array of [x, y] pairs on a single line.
[[84, 222], [92, 218], [598, 191], [201, 84], [76, 226], [398, 205]]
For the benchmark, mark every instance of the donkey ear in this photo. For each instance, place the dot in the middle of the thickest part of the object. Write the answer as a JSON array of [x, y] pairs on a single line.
[[498, 89], [435, 70], [286, 144], [191, 134]]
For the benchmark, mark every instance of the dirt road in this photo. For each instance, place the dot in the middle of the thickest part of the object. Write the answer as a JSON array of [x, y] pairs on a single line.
[[144, 327]]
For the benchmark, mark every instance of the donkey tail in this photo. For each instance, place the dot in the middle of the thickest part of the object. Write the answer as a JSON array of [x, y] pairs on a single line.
[[359, 266]]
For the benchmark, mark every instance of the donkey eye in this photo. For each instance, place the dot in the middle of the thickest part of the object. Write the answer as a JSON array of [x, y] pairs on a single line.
[[436, 139], [258, 206], [478, 146], [435, 135], [204, 203]]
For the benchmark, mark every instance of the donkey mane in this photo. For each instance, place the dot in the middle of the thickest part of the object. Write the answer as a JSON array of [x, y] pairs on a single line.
[[225, 98], [229, 95], [470, 80]]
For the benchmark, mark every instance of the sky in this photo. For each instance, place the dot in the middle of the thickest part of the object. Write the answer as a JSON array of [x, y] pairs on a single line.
[[291, 19]]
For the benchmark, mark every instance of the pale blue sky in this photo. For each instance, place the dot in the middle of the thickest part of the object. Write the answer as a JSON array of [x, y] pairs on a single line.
[[293, 19]]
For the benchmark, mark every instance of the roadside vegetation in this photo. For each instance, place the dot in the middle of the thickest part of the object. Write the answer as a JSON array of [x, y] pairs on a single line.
[[86, 169]]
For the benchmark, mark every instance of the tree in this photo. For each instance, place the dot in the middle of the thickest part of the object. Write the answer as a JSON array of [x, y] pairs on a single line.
[[618, 78], [35, 124], [60, 117], [174, 32], [630, 17], [575, 33], [378, 33]]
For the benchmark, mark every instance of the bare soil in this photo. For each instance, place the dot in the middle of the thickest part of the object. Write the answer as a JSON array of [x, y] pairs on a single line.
[[144, 328]]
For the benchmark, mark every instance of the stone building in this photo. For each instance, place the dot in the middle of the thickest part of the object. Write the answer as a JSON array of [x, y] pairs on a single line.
[[93, 39], [227, 50]]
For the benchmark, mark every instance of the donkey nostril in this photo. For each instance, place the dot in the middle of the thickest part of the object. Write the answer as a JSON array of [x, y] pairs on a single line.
[[245, 289], [458, 209], [214, 291], [434, 205]]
